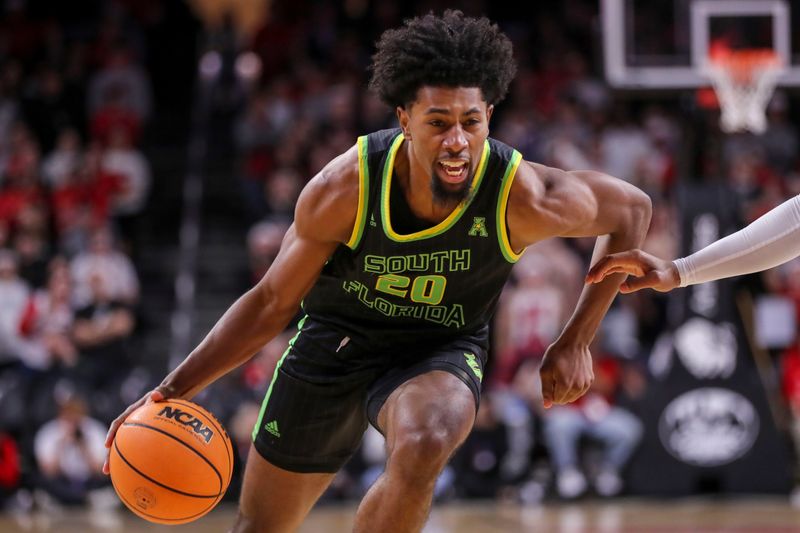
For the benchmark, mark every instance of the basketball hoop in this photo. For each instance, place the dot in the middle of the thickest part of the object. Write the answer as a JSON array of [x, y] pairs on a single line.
[[744, 81]]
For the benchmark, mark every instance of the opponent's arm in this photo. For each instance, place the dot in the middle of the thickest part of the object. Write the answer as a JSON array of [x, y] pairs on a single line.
[[767, 242], [548, 202], [324, 218]]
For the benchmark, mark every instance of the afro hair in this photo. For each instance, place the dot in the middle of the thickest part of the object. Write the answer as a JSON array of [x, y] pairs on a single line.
[[451, 50]]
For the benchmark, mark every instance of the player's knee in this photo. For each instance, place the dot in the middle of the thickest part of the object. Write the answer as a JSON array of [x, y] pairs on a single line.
[[422, 453], [424, 449]]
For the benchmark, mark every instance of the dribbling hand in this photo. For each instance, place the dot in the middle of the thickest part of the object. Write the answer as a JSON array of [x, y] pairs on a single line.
[[156, 395], [650, 272]]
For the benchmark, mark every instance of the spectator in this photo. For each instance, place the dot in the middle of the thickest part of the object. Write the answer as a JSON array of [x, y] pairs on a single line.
[[31, 241], [83, 203], [530, 313], [257, 131], [9, 112], [14, 293], [281, 192], [790, 385], [69, 454], [623, 145], [595, 416], [112, 114], [123, 84], [48, 317], [114, 268], [46, 107], [10, 470], [20, 182], [64, 160], [263, 241], [101, 330], [122, 159]]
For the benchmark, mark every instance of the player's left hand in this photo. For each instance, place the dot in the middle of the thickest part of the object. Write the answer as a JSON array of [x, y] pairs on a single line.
[[566, 373]]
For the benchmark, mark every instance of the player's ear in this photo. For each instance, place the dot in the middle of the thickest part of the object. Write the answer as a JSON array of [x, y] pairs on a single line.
[[403, 119], [489, 111]]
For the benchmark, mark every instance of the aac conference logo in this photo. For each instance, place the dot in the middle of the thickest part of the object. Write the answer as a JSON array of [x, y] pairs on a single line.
[[708, 427]]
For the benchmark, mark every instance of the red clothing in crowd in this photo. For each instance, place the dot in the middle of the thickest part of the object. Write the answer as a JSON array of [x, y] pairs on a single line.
[[13, 200], [607, 378], [72, 200], [9, 462], [108, 118], [790, 376]]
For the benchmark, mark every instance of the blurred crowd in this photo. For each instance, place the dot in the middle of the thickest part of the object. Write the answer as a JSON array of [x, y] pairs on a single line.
[[75, 104]]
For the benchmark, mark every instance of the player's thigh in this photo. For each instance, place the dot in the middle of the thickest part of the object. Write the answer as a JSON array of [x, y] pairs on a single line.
[[440, 391], [274, 499], [313, 414]]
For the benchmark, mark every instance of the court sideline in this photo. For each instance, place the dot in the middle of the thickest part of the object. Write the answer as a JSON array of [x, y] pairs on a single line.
[[751, 515]]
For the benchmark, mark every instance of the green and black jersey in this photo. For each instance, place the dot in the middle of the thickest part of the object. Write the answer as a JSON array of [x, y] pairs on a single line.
[[398, 280]]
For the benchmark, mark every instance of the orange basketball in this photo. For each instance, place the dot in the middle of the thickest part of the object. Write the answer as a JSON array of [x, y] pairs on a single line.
[[171, 462]]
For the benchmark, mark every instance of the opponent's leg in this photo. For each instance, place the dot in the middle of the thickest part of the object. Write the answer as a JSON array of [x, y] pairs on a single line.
[[273, 499], [425, 419]]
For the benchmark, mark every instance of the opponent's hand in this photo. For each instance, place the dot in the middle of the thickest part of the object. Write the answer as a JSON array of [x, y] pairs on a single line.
[[566, 373], [651, 272], [156, 395]]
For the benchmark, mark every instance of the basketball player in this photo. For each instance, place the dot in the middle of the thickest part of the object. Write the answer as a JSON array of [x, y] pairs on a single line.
[[767, 242], [398, 253]]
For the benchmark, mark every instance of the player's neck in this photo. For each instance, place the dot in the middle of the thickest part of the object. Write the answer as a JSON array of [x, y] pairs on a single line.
[[415, 182]]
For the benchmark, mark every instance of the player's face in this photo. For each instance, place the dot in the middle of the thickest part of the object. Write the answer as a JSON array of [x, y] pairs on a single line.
[[447, 127]]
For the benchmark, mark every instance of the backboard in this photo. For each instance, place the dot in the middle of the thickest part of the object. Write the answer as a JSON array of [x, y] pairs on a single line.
[[665, 45]]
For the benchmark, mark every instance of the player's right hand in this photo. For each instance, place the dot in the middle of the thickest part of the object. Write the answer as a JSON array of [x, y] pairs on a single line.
[[650, 272], [156, 395]]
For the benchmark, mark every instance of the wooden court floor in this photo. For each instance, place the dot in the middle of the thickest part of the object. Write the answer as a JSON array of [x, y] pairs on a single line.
[[750, 515]]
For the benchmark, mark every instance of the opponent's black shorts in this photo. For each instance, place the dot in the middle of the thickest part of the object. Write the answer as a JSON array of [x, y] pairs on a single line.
[[326, 389]]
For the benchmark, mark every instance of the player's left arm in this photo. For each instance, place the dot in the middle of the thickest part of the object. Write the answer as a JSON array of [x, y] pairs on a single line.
[[546, 202]]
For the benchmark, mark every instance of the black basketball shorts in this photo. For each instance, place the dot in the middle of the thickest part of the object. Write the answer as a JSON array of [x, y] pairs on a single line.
[[326, 389]]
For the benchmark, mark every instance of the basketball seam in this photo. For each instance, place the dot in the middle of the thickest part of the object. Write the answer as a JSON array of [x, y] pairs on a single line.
[[131, 506], [219, 476], [217, 425]]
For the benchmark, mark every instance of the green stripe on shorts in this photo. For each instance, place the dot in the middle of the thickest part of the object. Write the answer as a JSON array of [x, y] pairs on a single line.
[[275, 376]]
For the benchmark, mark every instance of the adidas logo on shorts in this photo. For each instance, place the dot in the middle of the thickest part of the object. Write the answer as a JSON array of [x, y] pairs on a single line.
[[272, 427]]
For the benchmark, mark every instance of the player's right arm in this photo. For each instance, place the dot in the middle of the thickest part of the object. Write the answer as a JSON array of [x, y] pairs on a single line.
[[767, 242], [324, 218]]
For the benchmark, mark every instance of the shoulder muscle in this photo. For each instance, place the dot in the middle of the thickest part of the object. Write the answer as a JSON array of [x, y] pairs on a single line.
[[327, 208]]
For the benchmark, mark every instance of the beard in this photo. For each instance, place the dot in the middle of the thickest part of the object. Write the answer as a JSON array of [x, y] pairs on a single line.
[[446, 196]]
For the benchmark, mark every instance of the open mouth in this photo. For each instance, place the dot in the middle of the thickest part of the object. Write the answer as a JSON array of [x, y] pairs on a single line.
[[453, 171]]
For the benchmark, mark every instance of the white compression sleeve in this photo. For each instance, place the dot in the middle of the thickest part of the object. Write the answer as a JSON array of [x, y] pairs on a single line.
[[768, 241]]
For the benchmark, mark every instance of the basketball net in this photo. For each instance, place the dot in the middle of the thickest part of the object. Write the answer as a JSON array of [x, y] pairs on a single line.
[[744, 81]]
